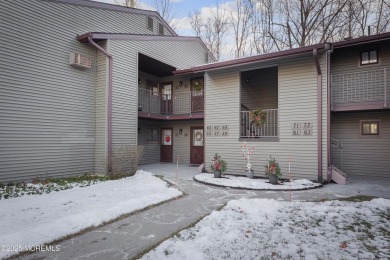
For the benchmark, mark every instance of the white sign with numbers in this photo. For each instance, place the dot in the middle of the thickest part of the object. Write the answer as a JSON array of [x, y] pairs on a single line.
[[302, 128], [217, 130]]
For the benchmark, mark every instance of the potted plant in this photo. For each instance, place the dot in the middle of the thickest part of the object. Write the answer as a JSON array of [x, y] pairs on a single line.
[[272, 171], [246, 153], [218, 166], [257, 117]]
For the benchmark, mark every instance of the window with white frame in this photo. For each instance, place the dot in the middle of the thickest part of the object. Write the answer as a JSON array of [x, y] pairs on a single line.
[[369, 57]]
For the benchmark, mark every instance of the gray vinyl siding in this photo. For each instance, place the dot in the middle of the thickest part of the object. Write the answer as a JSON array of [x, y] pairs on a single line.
[[364, 156], [48, 120], [178, 54], [347, 60], [262, 89], [181, 143], [101, 110], [297, 101]]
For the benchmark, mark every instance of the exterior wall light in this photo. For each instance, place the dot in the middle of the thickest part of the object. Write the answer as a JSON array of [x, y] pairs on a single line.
[[181, 83], [139, 130], [181, 131], [139, 81], [247, 80]]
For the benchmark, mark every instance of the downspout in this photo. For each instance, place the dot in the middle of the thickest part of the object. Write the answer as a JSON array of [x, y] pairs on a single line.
[[329, 93], [319, 113], [109, 99]]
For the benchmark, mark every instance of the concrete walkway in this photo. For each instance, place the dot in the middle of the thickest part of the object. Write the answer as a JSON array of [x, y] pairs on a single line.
[[126, 238]]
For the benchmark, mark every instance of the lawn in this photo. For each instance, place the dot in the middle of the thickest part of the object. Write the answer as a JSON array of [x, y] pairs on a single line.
[[270, 229], [33, 220]]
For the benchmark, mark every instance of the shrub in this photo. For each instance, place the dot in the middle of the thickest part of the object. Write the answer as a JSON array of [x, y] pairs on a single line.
[[124, 161]]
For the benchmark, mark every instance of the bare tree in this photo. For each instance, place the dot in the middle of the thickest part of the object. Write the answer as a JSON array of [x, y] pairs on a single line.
[[165, 9], [240, 19], [212, 30], [127, 3]]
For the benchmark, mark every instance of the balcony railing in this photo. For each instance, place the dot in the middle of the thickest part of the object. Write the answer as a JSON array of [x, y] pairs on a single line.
[[268, 129], [170, 104], [369, 87]]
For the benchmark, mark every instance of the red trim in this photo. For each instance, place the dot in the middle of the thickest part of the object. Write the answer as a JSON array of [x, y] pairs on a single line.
[[319, 113], [146, 115], [285, 53]]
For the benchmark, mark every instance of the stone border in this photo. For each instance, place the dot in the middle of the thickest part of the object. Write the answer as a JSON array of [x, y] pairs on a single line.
[[243, 188]]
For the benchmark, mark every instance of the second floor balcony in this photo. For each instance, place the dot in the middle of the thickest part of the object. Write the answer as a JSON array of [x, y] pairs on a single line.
[[361, 90], [171, 106]]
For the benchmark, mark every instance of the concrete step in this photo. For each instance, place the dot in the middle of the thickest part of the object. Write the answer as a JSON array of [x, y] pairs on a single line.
[[338, 176]]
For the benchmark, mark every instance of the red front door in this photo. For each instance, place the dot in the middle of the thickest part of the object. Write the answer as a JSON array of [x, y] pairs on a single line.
[[197, 145], [197, 95], [166, 148], [166, 98]]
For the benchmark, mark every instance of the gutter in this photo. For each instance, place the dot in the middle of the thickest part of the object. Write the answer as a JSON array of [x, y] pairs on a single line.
[[319, 113], [109, 99], [329, 93]]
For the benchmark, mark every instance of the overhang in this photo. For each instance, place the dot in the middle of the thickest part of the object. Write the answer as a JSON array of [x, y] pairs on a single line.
[[282, 54]]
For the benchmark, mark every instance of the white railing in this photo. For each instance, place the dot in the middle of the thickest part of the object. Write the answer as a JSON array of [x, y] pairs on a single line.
[[362, 86], [179, 103], [268, 129]]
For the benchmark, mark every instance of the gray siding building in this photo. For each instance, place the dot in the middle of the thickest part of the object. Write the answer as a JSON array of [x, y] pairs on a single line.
[[80, 78]]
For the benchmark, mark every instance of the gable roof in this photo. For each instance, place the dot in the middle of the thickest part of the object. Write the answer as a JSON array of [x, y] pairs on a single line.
[[119, 8], [285, 53]]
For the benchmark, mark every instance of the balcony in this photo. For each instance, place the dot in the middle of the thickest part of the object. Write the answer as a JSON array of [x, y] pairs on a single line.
[[360, 90], [268, 129], [177, 106]]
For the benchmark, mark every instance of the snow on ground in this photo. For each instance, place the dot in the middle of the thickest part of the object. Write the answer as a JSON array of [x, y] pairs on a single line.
[[269, 229], [37, 219], [256, 184]]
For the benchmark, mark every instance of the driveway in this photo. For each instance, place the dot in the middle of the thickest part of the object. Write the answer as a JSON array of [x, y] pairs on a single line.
[[126, 238]]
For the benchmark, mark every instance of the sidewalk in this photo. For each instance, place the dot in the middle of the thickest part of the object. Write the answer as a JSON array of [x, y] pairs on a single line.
[[128, 237]]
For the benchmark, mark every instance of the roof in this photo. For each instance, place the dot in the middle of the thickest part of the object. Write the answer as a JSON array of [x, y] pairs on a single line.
[[281, 54], [119, 8], [98, 36]]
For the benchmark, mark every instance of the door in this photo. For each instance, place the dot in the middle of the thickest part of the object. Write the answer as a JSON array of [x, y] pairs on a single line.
[[166, 148], [197, 148], [166, 98], [197, 94]]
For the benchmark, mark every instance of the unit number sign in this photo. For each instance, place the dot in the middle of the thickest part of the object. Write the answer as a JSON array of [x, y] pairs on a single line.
[[217, 130], [302, 128]]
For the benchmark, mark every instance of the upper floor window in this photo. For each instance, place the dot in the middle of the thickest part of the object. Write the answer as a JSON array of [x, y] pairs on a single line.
[[369, 57], [150, 23], [160, 29]]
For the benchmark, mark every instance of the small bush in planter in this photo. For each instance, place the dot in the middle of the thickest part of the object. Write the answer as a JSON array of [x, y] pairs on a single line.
[[272, 170], [218, 166]]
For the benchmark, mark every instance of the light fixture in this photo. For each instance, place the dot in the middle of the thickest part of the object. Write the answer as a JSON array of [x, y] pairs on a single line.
[[139, 81], [247, 80], [328, 46], [139, 130], [180, 131], [181, 83]]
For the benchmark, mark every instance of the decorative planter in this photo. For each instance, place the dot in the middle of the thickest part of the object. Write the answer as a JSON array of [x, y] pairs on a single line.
[[217, 174], [249, 174], [273, 179]]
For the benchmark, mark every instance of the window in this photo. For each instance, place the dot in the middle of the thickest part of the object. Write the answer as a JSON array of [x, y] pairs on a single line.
[[152, 134], [155, 90], [206, 57], [370, 127], [150, 23], [369, 57], [160, 29]]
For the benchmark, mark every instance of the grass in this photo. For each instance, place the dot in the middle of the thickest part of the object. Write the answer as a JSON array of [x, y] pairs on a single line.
[[44, 186]]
